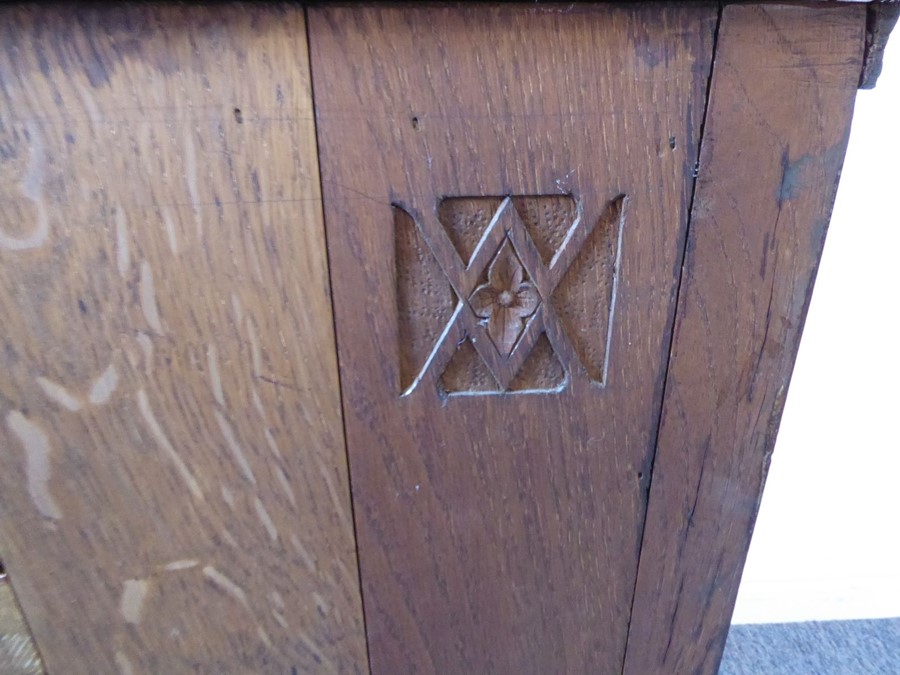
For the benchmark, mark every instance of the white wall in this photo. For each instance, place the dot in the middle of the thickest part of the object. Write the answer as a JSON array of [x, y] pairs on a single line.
[[827, 542]]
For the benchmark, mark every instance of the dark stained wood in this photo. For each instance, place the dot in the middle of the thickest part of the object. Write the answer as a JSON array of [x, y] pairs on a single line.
[[780, 105], [499, 532], [173, 492], [880, 21]]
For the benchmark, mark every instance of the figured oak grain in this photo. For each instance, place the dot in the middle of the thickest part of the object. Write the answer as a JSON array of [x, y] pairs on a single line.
[[173, 493], [18, 655], [499, 533], [781, 98]]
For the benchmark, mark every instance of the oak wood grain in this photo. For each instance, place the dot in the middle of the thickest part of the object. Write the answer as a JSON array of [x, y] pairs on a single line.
[[173, 493], [499, 532], [781, 98], [18, 655]]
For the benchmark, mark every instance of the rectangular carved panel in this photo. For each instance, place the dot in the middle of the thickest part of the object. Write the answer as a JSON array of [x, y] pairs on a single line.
[[781, 97], [506, 191], [507, 261], [173, 488]]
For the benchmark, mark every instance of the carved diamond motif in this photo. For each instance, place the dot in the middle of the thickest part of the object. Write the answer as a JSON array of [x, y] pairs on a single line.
[[531, 293], [506, 300]]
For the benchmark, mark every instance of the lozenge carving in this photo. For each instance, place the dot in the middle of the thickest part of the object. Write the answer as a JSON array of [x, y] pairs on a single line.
[[507, 294], [506, 301]]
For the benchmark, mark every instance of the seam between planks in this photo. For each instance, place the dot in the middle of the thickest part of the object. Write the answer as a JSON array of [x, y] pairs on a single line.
[[674, 322], [337, 353]]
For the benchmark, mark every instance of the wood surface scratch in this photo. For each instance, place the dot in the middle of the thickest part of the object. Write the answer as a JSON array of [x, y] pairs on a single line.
[[158, 256]]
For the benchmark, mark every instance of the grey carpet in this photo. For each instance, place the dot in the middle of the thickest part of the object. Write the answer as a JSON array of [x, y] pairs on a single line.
[[867, 647]]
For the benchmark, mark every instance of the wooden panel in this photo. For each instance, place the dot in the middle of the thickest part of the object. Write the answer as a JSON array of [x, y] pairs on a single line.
[[18, 655], [174, 488], [501, 412], [780, 105]]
